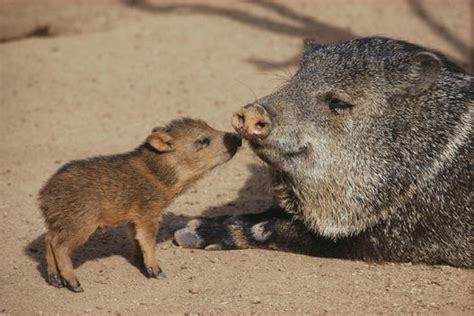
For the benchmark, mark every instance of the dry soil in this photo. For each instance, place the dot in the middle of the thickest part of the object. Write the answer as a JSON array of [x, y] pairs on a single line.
[[81, 78]]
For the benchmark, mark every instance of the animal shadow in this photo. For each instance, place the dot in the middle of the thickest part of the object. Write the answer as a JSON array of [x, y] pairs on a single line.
[[297, 24], [443, 32]]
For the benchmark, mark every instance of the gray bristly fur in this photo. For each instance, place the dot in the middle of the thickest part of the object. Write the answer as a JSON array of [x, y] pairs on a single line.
[[389, 175]]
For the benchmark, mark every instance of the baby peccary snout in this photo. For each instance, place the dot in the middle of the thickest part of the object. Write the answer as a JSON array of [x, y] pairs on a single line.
[[232, 142], [131, 188], [252, 121]]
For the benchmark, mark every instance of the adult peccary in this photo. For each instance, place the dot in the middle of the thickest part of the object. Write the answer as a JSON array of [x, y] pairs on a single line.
[[369, 149]]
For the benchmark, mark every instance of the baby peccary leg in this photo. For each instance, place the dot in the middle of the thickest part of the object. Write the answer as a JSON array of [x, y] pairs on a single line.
[[58, 255], [68, 276], [54, 277], [145, 234], [136, 251]]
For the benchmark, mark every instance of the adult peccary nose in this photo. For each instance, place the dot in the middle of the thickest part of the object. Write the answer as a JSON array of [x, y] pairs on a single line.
[[252, 121]]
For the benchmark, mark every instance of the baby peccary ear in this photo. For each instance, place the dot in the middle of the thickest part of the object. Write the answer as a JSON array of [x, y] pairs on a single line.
[[160, 140], [423, 69]]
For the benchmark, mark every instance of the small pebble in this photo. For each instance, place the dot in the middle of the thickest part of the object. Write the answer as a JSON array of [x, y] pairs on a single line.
[[193, 291]]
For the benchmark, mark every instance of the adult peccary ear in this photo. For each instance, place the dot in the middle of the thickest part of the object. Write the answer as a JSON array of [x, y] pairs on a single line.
[[422, 71], [309, 46], [160, 140]]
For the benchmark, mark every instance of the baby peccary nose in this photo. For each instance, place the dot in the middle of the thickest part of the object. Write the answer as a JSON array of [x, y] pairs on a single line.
[[252, 121], [232, 142]]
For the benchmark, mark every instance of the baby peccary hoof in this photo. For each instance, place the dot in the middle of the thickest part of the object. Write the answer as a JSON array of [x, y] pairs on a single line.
[[55, 280], [155, 274], [75, 288]]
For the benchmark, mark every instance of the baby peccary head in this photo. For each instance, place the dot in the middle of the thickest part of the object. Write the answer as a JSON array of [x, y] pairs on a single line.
[[360, 128], [192, 148]]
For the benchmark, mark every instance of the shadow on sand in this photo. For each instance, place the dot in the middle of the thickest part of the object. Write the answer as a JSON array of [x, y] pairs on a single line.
[[442, 31], [298, 25]]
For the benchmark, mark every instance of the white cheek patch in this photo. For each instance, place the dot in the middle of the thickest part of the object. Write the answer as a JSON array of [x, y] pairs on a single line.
[[259, 233]]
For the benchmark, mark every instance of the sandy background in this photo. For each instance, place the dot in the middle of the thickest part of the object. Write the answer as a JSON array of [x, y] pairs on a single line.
[[81, 78]]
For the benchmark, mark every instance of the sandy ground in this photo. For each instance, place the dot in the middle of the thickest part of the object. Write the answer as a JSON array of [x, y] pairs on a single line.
[[81, 78]]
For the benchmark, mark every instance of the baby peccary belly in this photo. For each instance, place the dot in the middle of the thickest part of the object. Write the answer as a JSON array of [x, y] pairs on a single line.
[[131, 188]]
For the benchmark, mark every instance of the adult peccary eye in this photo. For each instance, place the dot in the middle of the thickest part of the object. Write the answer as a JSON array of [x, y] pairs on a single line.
[[336, 105]]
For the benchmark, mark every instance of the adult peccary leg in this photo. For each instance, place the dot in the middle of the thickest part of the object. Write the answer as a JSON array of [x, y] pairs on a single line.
[[272, 229]]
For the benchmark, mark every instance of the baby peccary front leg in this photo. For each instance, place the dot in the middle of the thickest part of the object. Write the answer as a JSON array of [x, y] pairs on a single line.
[[145, 234], [136, 251]]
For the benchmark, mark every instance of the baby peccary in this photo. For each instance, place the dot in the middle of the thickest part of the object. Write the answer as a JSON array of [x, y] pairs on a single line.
[[131, 188]]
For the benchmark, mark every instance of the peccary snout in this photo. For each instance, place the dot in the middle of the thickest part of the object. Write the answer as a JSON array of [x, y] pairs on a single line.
[[252, 121], [232, 142]]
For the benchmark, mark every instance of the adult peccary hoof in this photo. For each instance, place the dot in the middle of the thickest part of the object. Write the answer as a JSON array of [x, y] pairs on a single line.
[[188, 238]]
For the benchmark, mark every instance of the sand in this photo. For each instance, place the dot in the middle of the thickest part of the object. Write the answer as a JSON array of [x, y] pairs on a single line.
[[82, 78]]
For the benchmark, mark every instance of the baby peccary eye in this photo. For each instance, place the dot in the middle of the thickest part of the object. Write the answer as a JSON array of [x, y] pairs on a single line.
[[336, 105], [202, 142]]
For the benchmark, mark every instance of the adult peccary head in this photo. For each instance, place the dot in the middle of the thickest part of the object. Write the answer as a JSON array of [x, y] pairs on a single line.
[[371, 131]]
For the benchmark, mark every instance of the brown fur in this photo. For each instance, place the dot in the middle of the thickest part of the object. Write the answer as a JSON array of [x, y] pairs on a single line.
[[131, 188]]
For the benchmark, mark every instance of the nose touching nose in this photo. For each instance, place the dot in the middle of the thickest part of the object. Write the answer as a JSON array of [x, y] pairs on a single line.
[[252, 121]]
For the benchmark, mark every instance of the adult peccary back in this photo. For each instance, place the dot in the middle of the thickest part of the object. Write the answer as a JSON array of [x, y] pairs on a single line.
[[369, 149]]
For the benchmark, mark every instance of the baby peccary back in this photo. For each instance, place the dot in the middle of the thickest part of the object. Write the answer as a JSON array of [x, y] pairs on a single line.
[[131, 188], [369, 148]]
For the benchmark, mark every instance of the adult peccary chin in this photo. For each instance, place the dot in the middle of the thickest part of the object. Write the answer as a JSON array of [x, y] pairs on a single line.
[[369, 145]]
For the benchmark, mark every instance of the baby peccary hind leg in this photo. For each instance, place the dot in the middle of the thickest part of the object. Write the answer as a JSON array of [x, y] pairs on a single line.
[[60, 249], [54, 278]]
